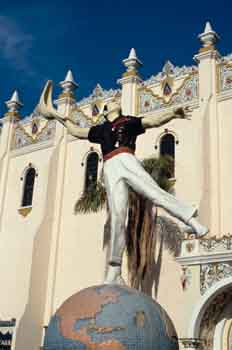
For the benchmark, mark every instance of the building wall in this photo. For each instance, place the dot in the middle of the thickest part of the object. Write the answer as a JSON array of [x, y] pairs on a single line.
[[51, 253]]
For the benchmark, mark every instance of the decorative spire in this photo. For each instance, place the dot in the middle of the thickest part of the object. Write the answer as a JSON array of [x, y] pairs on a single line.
[[132, 63], [14, 103], [68, 85], [209, 37]]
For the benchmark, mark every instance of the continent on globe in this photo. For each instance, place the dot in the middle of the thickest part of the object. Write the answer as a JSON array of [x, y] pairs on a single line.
[[110, 317], [90, 302]]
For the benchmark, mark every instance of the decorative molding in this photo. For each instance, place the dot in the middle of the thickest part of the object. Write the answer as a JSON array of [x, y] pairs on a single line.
[[22, 138], [204, 259], [216, 244], [225, 95], [191, 343], [25, 211], [91, 150], [225, 76], [187, 92], [31, 148], [202, 304], [99, 94], [172, 71], [213, 273], [212, 314], [83, 121], [163, 133], [227, 58]]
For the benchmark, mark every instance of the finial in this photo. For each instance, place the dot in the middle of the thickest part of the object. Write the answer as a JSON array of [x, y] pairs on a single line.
[[68, 84], [132, 62], [209, 37], [14, 103]]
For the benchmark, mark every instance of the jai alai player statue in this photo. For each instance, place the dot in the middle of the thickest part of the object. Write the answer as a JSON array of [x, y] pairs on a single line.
[[117, 137]]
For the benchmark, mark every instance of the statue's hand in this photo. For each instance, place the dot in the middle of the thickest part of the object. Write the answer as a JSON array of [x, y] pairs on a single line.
[[44, 113], [182, 113], [45, 105]]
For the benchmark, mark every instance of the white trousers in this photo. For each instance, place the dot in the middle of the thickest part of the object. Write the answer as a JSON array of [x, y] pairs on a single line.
[[125, 169]]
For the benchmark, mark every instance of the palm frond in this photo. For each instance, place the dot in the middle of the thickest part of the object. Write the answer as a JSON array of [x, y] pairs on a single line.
[[92, 200]]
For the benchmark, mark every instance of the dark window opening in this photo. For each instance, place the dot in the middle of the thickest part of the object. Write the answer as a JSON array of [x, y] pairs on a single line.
[[28, 187], [167, 90], [167, 148], [91, 171]]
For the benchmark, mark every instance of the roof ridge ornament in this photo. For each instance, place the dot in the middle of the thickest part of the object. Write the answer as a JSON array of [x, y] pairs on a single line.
[[68, 85], [168, 68], [132, 63], [13, 105], [98, 91], [209, 37]]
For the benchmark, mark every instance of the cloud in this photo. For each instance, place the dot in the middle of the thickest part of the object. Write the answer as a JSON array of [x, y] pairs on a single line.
[[15, 45]]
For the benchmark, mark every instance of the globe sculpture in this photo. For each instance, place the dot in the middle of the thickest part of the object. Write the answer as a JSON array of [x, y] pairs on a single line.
[[110, 317]]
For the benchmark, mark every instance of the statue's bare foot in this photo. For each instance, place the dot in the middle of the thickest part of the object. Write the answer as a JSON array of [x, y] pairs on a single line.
[[114, 276], [197, 228]]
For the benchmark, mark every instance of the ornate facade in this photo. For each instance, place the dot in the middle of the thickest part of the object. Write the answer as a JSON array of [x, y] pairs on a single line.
[[54, 252]]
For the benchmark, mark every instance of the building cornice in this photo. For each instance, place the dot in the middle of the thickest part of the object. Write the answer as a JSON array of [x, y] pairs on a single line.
[[31, 148], [225, 95], [205, 259]]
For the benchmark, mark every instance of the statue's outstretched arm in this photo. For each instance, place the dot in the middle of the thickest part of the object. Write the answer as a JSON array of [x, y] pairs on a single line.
[[155, 122], [46, 109]]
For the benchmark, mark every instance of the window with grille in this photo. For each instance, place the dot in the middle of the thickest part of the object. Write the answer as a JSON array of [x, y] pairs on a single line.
[[167, 148], [91, 170], [28, 188]]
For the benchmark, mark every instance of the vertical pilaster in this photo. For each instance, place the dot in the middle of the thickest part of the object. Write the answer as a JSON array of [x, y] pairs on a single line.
[[207, 59], [7, 134], [130, 81], [64, 104]]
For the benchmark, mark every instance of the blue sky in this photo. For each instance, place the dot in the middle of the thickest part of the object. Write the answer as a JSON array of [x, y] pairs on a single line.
[[41, 40]]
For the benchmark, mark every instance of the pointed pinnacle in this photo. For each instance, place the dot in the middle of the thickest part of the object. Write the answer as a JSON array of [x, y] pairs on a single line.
[[14, 103], [208, 28], [132, 53], [15, 97], [209, 36], [69, 84], [69, 77]]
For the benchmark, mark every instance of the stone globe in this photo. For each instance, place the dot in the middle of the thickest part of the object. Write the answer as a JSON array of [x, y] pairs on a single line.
[[110, 317]]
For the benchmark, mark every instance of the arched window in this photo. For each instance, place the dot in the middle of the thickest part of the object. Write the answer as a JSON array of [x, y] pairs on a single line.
[[28, 187], [167, 148], [91, 170]]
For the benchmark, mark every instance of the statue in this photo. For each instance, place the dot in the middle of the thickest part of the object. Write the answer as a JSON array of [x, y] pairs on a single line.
[[117, 137]]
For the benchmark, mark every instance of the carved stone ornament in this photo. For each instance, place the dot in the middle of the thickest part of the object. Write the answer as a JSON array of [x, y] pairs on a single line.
[[99, 94], [24, 211], [22, 138], [213, 273], [191, 343], [216, 245], [149, 102], [172, 71], [225, 76], [211, 317]]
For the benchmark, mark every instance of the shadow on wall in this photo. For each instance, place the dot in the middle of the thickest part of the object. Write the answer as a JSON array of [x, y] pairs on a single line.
[[162, 233], [204, 206], [30, 328], [167, 236]]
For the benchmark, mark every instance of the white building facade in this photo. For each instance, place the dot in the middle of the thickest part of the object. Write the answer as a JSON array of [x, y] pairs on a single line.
[[48, 253]]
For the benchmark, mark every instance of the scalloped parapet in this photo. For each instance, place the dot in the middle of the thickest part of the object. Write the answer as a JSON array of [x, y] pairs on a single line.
[[186, 93], [170, 70], [33, 129], [225, 74], [98, 93]]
